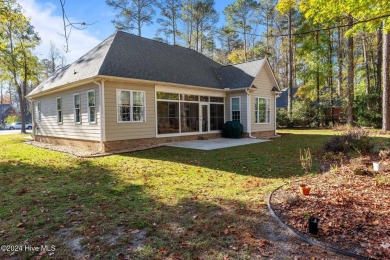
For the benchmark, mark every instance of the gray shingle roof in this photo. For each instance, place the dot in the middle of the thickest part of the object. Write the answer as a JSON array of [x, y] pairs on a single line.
[[4, 108], [282, 100], [239, 75], [129, 56], [85, 67]]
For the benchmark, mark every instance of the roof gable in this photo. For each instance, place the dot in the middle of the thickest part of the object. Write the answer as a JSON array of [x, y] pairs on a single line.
[[240, 75], [85, 67]]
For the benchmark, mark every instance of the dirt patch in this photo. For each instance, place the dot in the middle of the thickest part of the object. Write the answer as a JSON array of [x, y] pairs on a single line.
[[354, 210], [279, 242], [138, 240], [64, 149], [73, 243]]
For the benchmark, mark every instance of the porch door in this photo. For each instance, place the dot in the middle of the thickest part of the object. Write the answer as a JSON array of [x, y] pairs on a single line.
[[204, 117]]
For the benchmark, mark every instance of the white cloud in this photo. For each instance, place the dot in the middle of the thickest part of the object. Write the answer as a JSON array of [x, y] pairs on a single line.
[[49, 25]]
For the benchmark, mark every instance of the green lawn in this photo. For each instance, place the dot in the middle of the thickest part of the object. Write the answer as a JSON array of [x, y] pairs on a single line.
[[150, 204]]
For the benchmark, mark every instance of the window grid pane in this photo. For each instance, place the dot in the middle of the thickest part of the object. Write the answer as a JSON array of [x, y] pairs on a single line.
[[77, 117], [91, 106], [131, 106], [262, 110], [235, 109], [59, 110]]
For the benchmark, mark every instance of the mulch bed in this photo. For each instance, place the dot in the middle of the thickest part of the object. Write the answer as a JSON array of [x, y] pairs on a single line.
[[352, 203]]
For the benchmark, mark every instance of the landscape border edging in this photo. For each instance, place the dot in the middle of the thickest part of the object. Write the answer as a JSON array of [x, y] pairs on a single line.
[[304, 238]]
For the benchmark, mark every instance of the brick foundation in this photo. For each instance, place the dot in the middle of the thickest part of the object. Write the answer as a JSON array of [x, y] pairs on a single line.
[[135, 144], [262, 134], [81, 144]]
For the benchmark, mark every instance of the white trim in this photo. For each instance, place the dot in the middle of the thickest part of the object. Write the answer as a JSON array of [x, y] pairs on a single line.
[[130, 105], [102, 112], [266, 114], [204, 103], [231, 107], [74, 109], [275, 113], [62, 115]]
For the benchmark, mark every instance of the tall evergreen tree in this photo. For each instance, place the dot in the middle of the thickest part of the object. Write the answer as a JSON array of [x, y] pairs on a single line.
[[133, 14]]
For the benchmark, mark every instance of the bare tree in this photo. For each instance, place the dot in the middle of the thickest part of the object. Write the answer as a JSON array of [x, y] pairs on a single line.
[[69, 25], [54, 61]]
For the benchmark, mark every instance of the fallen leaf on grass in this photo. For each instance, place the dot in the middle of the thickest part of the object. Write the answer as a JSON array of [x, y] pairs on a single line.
[[262, 243], [385, 245], [20, 225], [135, 231], [235, 248]]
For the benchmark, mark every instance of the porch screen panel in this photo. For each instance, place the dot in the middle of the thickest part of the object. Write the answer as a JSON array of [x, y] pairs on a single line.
[[216, 116], [168, 117], [189, 117]]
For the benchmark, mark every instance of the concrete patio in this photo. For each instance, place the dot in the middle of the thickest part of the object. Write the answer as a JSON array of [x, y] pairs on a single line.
[[213, 144]]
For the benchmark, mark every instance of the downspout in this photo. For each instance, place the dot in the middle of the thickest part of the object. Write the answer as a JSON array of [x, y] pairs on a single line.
[[33, 118], [102, 117], [275, 112], [248, 114]]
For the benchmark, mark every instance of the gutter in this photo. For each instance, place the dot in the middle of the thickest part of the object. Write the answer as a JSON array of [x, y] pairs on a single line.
[[248, 114], [101, 112]]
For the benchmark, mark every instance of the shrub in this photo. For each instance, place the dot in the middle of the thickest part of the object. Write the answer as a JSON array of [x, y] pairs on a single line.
[[368, 110], [303, 113], [353, 140], [11, 119], [282, 118]]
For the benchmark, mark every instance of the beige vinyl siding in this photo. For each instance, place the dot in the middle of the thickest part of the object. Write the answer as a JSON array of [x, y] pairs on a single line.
[[243, 114], [129, 130], [48, 125], [264, 86]]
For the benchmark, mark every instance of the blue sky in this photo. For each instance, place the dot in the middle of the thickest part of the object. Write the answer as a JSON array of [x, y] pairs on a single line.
[[46, 16]]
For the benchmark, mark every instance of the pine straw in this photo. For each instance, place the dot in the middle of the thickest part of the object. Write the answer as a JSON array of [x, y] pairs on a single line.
[[353, 205]]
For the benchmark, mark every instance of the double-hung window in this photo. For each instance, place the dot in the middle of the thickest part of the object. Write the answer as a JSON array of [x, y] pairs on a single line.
[[262, 110], [77, 107], [39, 111], [91, 106], [130, 106], [59, 110], [235, 109]]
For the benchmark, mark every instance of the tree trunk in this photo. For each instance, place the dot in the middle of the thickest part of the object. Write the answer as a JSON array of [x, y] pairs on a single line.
[[340, 63], [1, 93], [318, 81], [245, 49], [386, 82], [380, 57], [330, 76], [367, 66], [289, 72], [351, 76]]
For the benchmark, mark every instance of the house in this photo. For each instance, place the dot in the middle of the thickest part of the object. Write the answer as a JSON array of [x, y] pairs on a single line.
[[331, 108], [282, 100], [5, 111], [132, 92]]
